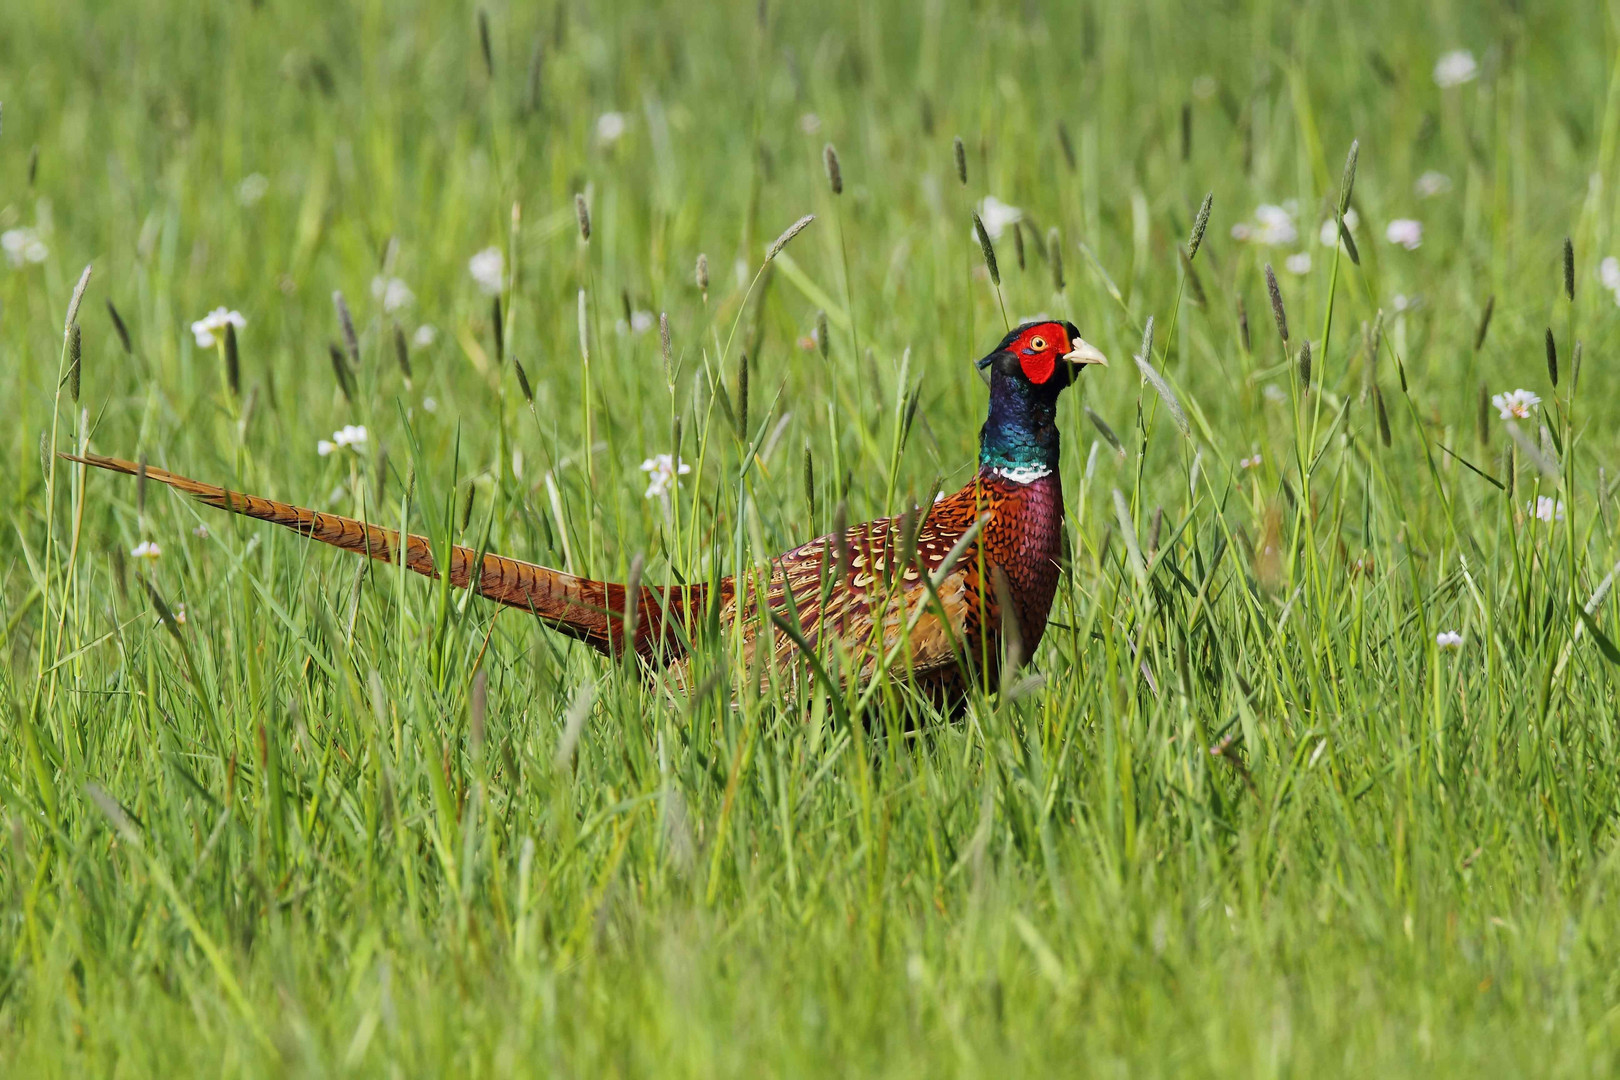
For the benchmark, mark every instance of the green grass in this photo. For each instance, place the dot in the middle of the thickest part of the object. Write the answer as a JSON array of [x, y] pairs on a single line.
[[277, 841]]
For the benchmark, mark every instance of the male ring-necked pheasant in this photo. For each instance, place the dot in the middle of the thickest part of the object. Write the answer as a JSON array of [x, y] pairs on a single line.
[[924, 595]]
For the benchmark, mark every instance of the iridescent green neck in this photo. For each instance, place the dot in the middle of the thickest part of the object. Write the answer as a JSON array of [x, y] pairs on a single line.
[[1020, 437]]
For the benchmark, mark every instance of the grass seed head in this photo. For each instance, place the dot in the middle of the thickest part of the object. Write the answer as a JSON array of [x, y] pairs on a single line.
[[1347, 180], [835, 175], [484, 44], [1305, 365], [340, 370], [1483, 417], [499, 323], [1484, 322], [402, 352], [74, 345], [1569, 269], [787, 236], [1018, 243], [1105, 431], [986, 249], [809, 480], [960, 153], [823, 335], [351, 340], [1200, 223], [1054, 256], [666, 349], [73, 302], [233, 361], [523, 381], [742, 396], [1383, 416], [1552, 357], [1067, 145], [583, 214], [701, 273], [120, 328], [1277, 311], [1349, 243]]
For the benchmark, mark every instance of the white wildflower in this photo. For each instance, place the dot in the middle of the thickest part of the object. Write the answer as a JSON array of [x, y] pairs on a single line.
[[997, 216], [640, 322], [1448, 639], [1455, 68], [809, 123], [1329, 234], [210, 329], [179, 614], [200, 532], [1273, 226], [1250, 462], [1298, 263], [663, 474], [488, 269], [393, 293], [349, 436], [252, 188], [1516, 404], [425, 335], [23, 246], [1545, 508], [1609, 275], [430, 405], [610, 126], [1405, 232], [146, 549], [1431, 184]]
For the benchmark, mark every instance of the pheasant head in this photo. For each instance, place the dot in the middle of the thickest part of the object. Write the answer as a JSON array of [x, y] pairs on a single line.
[[1028, 370]]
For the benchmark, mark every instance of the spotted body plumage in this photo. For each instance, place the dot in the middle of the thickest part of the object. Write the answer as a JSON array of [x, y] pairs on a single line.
[[941, 596]]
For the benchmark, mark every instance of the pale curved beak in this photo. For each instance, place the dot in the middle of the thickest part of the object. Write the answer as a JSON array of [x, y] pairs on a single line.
[[1085, 353]]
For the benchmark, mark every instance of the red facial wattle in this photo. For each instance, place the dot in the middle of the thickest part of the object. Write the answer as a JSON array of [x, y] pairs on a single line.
[[1039, 367]]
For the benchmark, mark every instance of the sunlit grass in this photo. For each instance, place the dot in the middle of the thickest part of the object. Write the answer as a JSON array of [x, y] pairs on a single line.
[[1260, 812]]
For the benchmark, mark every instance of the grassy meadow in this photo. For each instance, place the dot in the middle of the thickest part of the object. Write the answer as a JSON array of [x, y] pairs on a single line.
[[1317, 771]]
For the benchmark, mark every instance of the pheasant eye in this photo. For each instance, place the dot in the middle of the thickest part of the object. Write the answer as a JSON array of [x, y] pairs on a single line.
[[1037, 343]]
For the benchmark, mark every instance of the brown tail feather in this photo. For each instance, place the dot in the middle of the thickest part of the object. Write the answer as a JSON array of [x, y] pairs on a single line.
[[591, 611]]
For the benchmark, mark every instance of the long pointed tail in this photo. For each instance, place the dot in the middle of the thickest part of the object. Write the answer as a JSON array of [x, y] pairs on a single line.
[[591, 611]]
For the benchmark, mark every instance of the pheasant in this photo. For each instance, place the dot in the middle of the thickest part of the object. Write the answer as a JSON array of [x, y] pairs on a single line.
[[943, 597]]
